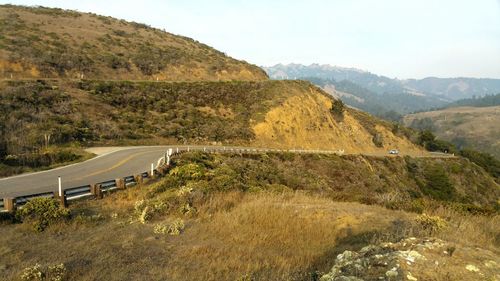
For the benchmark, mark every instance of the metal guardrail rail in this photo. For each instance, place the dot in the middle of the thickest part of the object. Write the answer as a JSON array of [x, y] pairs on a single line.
[[22, 200], [78, 192], [108, 185], [129, 181], [96, 190]]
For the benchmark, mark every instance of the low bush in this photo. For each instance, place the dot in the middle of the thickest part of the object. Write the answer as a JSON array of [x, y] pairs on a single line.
[[338, 108], [173, 228], [431, 224], [38, 273], [42, 212], [438, 184]]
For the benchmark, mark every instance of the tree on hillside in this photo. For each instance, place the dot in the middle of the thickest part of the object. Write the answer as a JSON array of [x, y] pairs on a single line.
[[428, 140], [338, 108], [426, 136]]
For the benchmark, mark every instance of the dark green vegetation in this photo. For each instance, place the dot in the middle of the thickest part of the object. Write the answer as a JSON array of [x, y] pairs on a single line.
[[338, 108], [485, 160], [39, 117], [55, 43], [488, 100], [428, 140], [414, 183], [485, 101], [201, 111]]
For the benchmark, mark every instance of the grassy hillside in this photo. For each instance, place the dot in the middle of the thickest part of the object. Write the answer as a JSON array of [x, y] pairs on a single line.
[[54, 43], [266, 217], [283, 114], [475, 127]]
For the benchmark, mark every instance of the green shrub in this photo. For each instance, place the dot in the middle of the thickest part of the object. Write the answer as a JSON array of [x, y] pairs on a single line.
[[417, 206], [411, 165], [146, 214], [378, 140], [189, 171], [38, 273], [427, 139], [431, 224], [438, 184], [338, 108], [173, 228], [42, 212]]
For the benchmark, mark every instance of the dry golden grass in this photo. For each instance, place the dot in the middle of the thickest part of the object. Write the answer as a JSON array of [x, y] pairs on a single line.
[[265, 236], [95, 37], [269, 237], [472, 230], [304, 121]]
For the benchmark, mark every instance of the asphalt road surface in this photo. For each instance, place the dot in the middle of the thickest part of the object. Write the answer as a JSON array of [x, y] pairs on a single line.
[[116, 164], [111, 163]]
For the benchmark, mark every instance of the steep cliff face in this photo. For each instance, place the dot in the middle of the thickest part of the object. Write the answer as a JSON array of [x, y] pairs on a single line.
[[305, 120]]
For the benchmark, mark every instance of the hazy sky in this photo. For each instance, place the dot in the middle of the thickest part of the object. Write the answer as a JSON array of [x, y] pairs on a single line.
[[397, 38]]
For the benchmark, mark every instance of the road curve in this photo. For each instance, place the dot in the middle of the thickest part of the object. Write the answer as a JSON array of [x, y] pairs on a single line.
[[117, 163]]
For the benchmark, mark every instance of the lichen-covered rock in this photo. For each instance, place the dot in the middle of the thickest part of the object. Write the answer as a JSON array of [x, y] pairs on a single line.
[[414, 259]]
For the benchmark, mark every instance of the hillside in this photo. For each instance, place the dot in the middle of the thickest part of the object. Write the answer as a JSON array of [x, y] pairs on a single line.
[[475, 127], [383, 105], [283, 114], [488, 100], [112, 103], [54, 43], [274, 216], [210, 215]]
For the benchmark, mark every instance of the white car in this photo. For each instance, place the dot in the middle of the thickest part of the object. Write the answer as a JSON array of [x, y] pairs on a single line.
[[393, 151]]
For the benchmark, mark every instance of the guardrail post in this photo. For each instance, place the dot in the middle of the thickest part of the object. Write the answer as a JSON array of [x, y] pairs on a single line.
[[62, 199], [120, 183], [95, 189], [9, 204], [138, 179]]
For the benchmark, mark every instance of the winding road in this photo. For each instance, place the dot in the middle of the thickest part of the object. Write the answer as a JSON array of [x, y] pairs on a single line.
[[115, 164], [110, 163]]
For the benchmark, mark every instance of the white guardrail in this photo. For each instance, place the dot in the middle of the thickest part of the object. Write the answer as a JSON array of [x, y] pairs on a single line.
[[97, 190]]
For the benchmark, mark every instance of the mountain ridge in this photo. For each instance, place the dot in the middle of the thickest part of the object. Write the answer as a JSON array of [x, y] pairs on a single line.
[[447, 88]]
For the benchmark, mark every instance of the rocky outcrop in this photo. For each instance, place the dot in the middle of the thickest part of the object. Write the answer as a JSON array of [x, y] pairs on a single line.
[[415, 259]]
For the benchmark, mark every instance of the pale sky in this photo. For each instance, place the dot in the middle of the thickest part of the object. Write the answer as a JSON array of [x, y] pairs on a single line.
[[396, 38]]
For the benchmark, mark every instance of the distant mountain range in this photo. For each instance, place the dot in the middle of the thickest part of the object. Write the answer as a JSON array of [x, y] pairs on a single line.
[[378, 94]]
